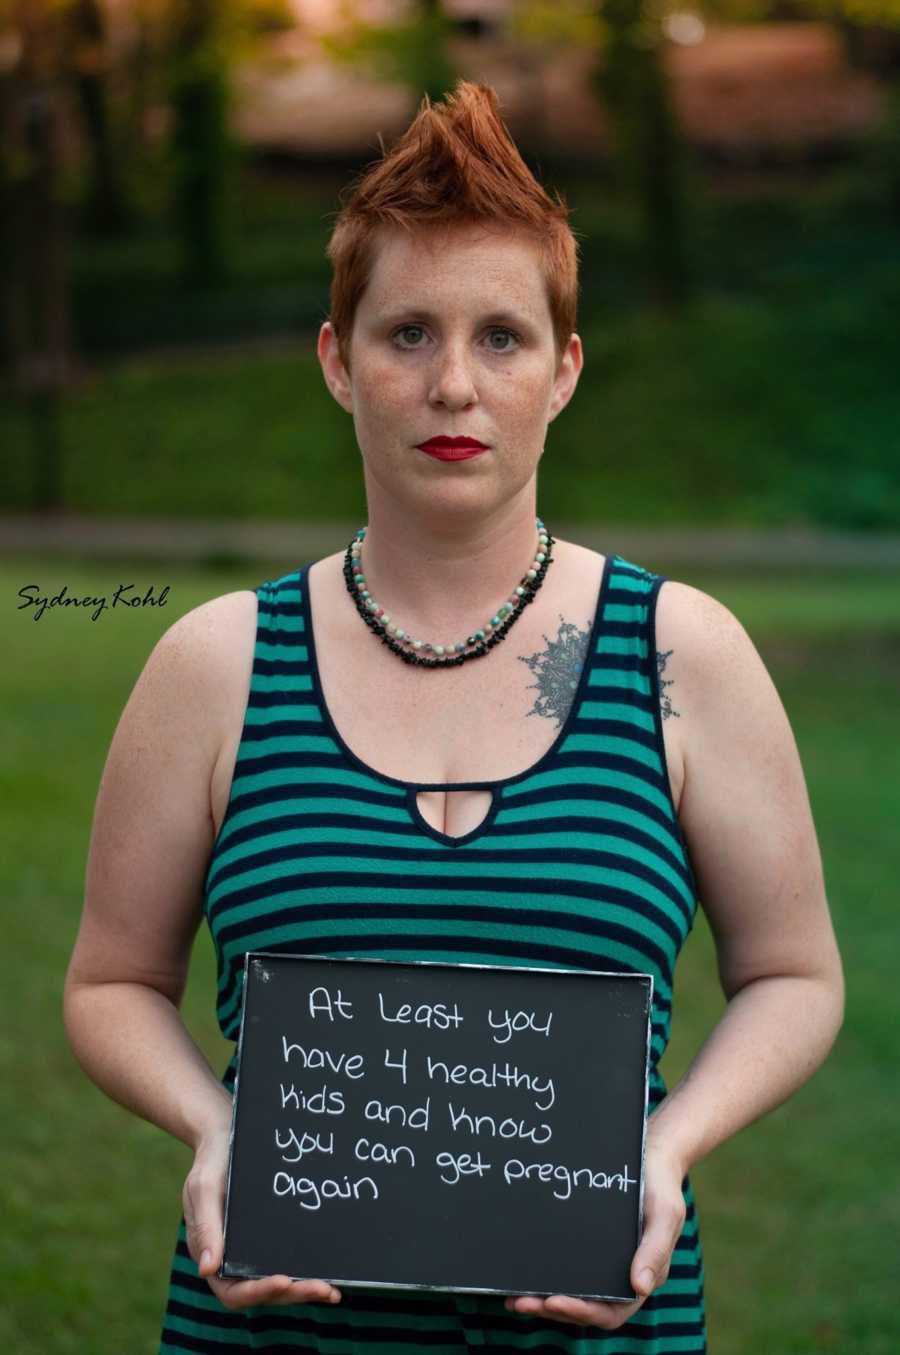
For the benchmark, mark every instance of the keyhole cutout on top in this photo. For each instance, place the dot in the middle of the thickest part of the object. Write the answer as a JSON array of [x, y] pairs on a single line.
[[454, 812]]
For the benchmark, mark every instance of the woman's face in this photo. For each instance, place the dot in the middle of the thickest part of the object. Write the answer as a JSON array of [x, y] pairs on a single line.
[[453, 335]]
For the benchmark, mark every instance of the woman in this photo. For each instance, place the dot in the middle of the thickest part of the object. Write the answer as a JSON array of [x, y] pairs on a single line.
[[292, 765]]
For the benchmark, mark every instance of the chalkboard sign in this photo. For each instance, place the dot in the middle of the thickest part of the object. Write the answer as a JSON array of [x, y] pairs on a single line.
[[475, 1128]]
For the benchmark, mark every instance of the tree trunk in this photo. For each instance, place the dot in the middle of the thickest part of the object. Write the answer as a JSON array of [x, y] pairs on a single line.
[[200, 144], [648, 151], [106, 208], [50, 360], [37, 326], [13, 318]]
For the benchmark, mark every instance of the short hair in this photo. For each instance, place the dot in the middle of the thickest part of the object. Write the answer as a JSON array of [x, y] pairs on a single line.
[[456, 164]]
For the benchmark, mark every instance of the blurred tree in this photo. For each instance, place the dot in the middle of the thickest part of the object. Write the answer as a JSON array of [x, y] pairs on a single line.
[[88, 57], [37, 340], [13, 319], [886, 155], [202, 153], [870, 31], [56, 60], [207, 38], [631, 84], [142, 77], [648, 151], [411, 52]]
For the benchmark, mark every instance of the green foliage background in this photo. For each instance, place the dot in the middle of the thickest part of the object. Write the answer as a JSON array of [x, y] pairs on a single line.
[[771, 400]]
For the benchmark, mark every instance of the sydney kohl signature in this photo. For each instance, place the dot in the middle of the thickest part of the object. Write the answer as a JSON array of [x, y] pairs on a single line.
[[124, 596]]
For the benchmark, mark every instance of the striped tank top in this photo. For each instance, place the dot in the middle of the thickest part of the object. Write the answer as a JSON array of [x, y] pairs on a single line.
[[580, 862]]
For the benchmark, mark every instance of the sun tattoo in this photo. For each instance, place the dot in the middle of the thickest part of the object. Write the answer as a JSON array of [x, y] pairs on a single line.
[[558, 669], [665, 703]]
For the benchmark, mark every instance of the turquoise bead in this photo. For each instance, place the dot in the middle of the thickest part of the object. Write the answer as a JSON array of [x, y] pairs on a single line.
[[479, 636]]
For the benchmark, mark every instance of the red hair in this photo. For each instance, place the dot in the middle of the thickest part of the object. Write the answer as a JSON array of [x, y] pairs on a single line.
[[456, 164]]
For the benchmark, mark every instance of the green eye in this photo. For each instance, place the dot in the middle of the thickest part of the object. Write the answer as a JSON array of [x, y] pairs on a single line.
[[407, 328], [509, 333], [497, 329]]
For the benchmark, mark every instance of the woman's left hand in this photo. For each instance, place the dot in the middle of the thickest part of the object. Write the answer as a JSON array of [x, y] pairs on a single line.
[[664, 1213]]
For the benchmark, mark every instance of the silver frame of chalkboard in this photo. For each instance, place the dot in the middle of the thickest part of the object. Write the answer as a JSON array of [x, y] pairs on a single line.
[[236, 1272]]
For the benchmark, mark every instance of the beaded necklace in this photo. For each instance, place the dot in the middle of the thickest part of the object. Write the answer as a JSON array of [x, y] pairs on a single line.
[[476, 645]]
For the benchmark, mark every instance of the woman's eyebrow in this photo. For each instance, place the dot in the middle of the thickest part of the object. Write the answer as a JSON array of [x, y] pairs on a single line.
[[495, 317]]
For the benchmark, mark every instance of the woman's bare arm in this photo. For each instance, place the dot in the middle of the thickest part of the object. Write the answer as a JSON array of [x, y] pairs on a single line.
[[151, 838], [150, 845], [746, 816]]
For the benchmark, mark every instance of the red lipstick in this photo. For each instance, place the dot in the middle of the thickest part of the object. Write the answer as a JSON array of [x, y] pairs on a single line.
[[452, 449]]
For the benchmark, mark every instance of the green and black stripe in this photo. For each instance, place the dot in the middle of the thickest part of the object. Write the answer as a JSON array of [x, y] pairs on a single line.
[[580, 862]]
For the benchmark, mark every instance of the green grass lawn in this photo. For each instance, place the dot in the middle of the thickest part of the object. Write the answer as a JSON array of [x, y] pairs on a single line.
[[799, 1212]]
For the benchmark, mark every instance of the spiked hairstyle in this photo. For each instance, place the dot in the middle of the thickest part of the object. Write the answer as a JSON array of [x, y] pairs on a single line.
[[456, 164]]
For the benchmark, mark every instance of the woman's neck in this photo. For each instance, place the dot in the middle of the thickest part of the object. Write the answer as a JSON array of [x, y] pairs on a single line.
[[439, 580]]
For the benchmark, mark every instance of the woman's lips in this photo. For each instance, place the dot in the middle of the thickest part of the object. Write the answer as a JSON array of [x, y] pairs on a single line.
[[443, 453]]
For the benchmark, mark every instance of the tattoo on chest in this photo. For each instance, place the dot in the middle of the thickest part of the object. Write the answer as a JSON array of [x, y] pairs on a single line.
[[665, 701], [558, 671]]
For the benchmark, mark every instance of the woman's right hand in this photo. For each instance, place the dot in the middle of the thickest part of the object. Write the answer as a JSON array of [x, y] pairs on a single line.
[[203, 1199]]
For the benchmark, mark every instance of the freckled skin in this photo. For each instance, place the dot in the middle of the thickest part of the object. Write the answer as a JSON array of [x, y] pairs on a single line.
[[391, 371]]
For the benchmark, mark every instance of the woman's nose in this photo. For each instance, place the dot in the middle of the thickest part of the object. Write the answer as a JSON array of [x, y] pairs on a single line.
[[453, 378]]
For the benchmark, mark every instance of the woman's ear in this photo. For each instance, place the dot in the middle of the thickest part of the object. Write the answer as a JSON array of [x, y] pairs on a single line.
[[567, 374], [337, 376]]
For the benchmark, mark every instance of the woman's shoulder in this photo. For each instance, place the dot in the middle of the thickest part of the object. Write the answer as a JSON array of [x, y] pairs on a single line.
[[706, 630], [201, 665], [702, 649], [708, 661], [211, 633]]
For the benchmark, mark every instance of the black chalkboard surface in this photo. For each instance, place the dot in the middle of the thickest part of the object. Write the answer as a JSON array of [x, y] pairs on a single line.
[[475, 1128]]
